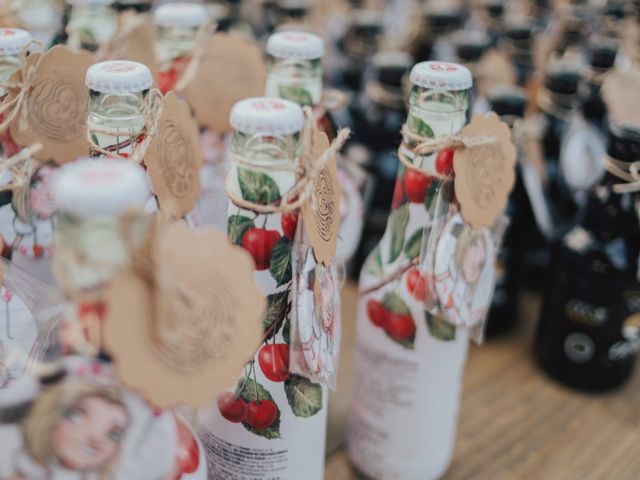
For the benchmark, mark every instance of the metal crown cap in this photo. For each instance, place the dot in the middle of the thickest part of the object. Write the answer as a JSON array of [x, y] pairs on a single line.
[[268, 116], [441, 75], [90, 187], [12, 40], [181, 14], [295, 45], [118, 76]]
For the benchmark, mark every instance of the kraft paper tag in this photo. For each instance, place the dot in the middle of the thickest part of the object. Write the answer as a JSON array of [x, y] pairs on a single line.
[[619, 90], [54, 110], [230, 68], [484, 173], [181, 333], [134, 41], [494, 69], [173, 159], [321, 213]]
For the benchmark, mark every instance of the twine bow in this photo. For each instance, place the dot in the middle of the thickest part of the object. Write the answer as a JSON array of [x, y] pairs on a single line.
[[152, 110], [630, 173], [21, 166], [306, 169], [10, 109], [426, 146]]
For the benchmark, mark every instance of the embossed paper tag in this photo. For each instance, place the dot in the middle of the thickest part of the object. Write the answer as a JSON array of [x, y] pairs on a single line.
[[618, 90], [181, 331], [54, 109], [494, 69], [134, 41], [484, 173], [173, 159], [231, 68], [321, 213]]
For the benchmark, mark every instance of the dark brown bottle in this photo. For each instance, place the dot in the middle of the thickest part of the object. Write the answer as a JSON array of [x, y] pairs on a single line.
[[588, 335]]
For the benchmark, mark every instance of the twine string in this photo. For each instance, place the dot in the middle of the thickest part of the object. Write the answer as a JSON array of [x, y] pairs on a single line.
[[152, 110], [306, 168], [204, 31], [21, 166], [629, 172]]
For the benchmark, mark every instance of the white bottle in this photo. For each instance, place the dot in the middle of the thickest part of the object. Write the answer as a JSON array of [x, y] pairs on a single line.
[[409, 364], [253, 432]]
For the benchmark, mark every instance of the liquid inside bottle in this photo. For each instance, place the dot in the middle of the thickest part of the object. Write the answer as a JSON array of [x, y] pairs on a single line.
[[92, 23]]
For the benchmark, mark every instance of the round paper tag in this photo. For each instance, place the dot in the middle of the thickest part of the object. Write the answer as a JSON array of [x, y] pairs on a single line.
[[464, 272], [321, 213], [485, 173], [173, 159], [54, 112]]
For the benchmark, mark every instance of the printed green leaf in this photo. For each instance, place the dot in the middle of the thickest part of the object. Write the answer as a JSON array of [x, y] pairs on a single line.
[[373, 265], [277, 310], [394, 303], [432, 195], [408, 343], [400, 218], [304, 396], [420, 127], [286, 332], [248, 394], [296, 94], [439, 328], [237, 226], [413, 245], [257, 187], [280, 266]]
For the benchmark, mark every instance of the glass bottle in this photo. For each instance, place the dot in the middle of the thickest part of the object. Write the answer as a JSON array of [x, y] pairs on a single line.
[[101, 223], [408, 364], [42, 18], [117, 92], [518, 41], [92, 23], [256, 420], [470, 46], [138, 6], [510, 103], [177, 27], [588, 333], [602, 57], [378, 114]]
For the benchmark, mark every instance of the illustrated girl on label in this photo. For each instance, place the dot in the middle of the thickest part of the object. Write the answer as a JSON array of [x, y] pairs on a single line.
[[27, 223], [464, 273]]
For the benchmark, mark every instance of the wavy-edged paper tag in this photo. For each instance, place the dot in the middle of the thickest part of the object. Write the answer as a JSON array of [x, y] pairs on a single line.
[[174, 160], [54, 110], [321, 212], [620, 93], [181, 333], [134, 41], [231, 68], [484, 173]]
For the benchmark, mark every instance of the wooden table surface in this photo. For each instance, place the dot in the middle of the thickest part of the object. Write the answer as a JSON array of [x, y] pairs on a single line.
[[515, 423]]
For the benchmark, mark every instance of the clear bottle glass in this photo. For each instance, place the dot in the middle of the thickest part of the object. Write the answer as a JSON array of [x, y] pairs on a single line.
[[42, 18], [92, 23], [295, 67], [117, 92], [177, 27], [409, 364], [256, 419]]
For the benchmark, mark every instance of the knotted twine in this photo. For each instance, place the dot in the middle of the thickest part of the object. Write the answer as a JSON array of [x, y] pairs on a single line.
[[21, 166], [204, 32], [306, 168], [630, 173], [152, 110], [9, 110]]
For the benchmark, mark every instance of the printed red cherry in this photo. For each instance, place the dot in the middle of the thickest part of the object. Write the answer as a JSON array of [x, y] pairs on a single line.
[[398, 194], [167, 79], [377, 313], [38, 251], [415, 185], [188, 456], [261, 414], [259, 243], [400, 326], [444, 161], [289, 222], [232, 408], [274, 361], [417, 285]]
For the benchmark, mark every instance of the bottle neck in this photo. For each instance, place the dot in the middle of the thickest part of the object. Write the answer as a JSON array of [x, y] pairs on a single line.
[[299, 81]]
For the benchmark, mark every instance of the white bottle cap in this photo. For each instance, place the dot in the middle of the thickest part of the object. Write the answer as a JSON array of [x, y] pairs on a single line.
[[118, 76], [89, 187], [12, 40], [441, 75], [295, 45], [181, 14], [268, 116]]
